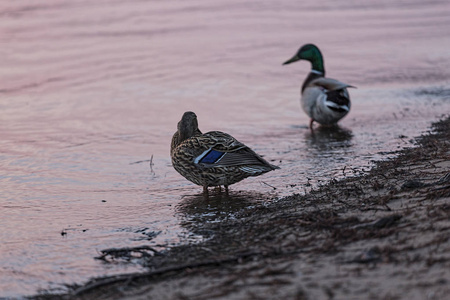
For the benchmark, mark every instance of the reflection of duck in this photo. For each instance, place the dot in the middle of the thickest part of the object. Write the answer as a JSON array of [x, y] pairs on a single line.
[[195, 213], [329, 138], [214, 158], [324, 100]]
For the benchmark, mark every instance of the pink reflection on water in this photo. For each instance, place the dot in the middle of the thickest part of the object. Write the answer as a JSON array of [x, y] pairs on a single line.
[[89, 88]]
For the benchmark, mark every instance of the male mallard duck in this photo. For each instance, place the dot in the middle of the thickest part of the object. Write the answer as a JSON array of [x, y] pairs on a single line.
[[324, 100], [213, 158]]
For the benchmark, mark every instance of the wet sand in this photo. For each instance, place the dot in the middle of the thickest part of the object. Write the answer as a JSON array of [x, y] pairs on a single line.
[[380, 235]]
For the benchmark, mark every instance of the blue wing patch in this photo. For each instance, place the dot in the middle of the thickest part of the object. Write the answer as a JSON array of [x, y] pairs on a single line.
[[211, 157]]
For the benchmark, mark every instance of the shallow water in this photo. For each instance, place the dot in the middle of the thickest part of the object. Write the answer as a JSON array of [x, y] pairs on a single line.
[[91, 92]]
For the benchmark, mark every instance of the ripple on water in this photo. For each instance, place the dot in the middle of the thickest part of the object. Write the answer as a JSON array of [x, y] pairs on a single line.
[[89, 88]]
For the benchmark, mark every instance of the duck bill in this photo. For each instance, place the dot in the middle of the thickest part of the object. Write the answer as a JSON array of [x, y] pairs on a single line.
[[293, 59]]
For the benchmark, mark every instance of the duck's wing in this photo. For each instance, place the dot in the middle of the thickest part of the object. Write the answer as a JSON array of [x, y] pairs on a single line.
[[223, 150], [329, 84]]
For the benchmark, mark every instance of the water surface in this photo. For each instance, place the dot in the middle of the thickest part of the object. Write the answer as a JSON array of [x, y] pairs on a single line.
[[91, 91]]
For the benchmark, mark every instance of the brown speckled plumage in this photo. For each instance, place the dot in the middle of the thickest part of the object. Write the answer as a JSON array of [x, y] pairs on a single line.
[[190, 151]]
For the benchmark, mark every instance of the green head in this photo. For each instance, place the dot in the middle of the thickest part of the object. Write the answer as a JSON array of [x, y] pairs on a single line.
[[311, 53]]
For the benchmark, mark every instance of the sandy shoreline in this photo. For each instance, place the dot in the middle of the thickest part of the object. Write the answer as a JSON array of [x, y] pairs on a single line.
[[383, 235]]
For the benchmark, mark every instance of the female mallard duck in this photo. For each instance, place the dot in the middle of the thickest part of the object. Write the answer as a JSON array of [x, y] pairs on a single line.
[[324, 100], [213, 158]]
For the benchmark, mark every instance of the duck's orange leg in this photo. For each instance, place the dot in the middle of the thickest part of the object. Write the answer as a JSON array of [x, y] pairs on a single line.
[[205, 193], [311, 124]]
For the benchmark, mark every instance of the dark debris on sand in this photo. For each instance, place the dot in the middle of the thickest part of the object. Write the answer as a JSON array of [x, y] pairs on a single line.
[[383, 235]]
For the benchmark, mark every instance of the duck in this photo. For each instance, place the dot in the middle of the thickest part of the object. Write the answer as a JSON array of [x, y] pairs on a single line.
[[324, 100], [212, 159]]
